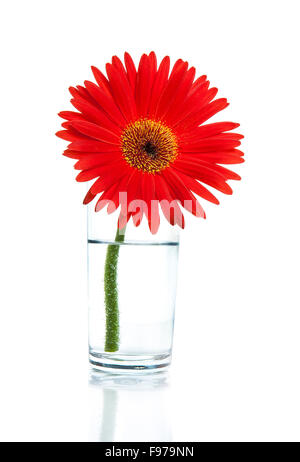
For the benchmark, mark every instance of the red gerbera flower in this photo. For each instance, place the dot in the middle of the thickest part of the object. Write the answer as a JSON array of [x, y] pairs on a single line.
[[140, 133]]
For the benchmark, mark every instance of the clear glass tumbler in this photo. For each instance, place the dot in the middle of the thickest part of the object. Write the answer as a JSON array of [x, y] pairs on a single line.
[[132, 292]]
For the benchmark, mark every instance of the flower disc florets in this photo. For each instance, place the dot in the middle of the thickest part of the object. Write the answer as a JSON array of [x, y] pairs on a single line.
[[149, 145]]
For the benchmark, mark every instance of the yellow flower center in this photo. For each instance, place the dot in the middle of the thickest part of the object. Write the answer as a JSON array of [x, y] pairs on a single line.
[[149, 145]]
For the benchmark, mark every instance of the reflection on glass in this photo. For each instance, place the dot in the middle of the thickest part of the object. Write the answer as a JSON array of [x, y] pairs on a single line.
[[129, 408]]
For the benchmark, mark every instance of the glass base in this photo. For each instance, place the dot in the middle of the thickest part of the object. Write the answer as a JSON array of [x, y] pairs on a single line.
[[116, 363]]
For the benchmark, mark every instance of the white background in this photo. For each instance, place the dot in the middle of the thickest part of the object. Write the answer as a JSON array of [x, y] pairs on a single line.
[[235, 374]]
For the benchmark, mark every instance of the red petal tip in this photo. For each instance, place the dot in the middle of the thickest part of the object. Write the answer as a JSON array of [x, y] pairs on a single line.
[[59, 134], [88, 82], [79, 178], [88, 198]]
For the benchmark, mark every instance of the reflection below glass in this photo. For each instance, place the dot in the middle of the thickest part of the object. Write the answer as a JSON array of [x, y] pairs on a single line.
[[131, 408]]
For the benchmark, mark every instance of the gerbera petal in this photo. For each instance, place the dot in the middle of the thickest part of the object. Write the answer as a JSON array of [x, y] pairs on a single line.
[[210, 95], [171, 89], [228, 174], [204, 164], [89, 146], [129, 189], [206, 131], [84, 93], [133, 192], [70, 115], [131, 70], [145, 186], [72, 154], [159, 84], [88, 197], [155, 219], [125, 214], [198, 83], [204, 174], [144, 82], [137, 217], [168, 203], [208, 145], [90, 174], [151, 209], [97, 187], [109, 175], [121, 89], [204, 114], [115, 172], [69, 135], [102, 184], [137, 204], [183, 89], [106, 102], [101, 79], [94, 160], [95, 131], [106, 197], [121, 187], [94, 114], [79, 93], [153, 61], [220, 157], [187, 199], [197, 188], [92, 146], [228, 136], [193, 103], [178, 64]]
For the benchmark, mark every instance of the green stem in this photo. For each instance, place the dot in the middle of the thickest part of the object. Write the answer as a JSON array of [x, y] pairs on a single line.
[[111, 293]]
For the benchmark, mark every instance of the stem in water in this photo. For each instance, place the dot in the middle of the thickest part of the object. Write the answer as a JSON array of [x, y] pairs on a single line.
[[111, 293]]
